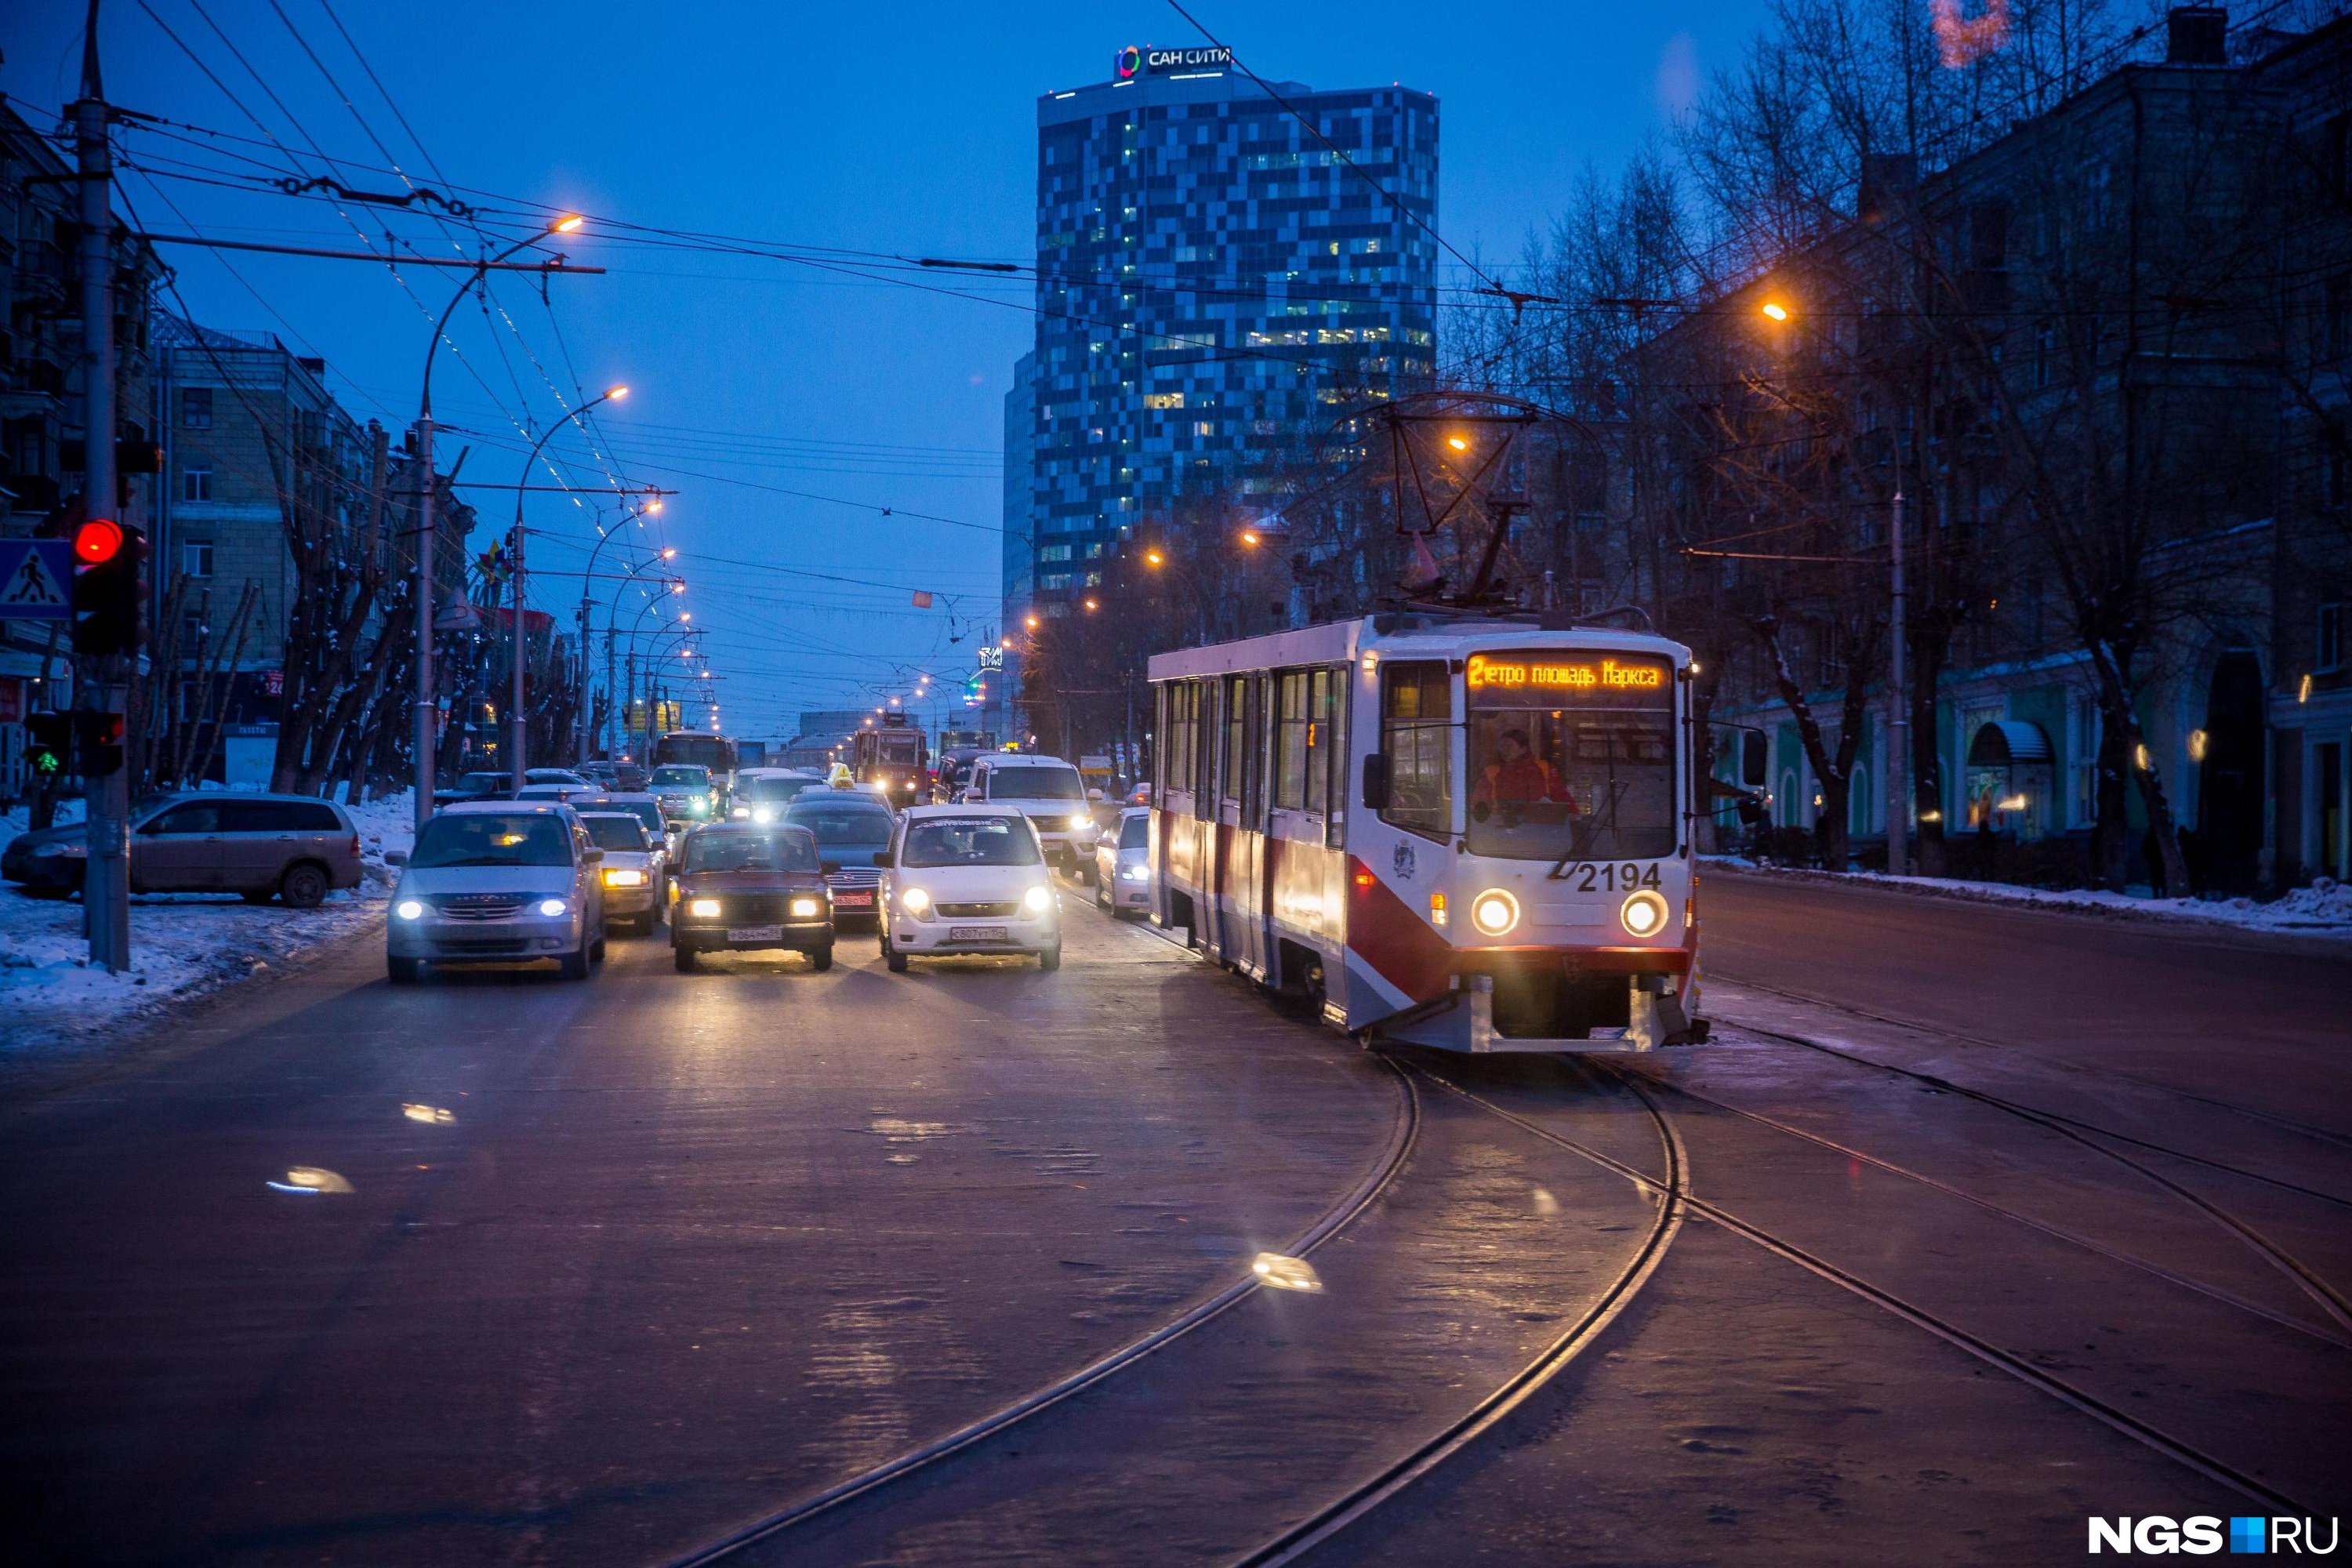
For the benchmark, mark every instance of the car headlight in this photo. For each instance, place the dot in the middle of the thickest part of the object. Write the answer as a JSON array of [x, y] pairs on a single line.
[[409, 910], [1080, 824], [1494, 912], [915, 899], [551, 907], [804, 908], [700, 808], [1037, 900], [766, 813], [1135, 873], [1644, 914], [740, 811], [703, 909], [621, 877]]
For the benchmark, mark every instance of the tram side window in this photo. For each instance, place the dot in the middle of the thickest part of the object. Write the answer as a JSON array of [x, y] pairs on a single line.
[[1416, 733], [1202, 749], [1180, 700], [1236, 748], [1318, 738], [1291, 724]]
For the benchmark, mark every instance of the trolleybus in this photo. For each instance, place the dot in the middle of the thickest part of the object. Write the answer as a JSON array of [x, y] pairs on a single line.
[[1467, 831]]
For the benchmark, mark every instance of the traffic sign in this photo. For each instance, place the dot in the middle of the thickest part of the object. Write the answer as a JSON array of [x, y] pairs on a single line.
[[36, 579]]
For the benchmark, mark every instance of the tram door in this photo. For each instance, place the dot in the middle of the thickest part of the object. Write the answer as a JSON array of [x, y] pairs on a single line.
[[1237, 862]]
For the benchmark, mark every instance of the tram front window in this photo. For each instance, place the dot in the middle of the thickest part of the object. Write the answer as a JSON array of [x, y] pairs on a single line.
[[1563, 766]]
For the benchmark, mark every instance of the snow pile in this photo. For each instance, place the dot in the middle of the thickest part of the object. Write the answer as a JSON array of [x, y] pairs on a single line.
[[2323, 908]]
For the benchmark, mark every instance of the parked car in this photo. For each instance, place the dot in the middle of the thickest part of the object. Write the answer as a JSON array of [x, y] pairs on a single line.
[[475, 785], [291, 846], [967, 880], [1049, 792], [498, 882], [633, 874], [851, 828], [1123, 866], [742, 886]]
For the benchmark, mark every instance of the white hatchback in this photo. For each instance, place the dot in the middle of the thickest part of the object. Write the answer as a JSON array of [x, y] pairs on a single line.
[[966, 880]]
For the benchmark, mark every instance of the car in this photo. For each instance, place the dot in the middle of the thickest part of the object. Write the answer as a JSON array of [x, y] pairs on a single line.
[[479, 784], [761, 794], [628, 777], [742, 886], [962, 880], [554, 776], [552, 789], [686, 792], [296, 847], [634, 871], [599, 773], [852, 828], [636, 803], [1123, 866], [1049, 792], [497, 881]]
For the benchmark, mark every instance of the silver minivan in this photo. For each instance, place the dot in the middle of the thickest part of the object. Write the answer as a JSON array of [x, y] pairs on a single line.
[[498, 881]]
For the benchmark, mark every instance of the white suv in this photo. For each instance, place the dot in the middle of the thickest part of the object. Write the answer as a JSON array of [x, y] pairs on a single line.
[[965, 880], [1050, 793]]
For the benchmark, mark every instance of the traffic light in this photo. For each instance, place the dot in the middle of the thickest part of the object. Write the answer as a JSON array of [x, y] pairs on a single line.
[[109, 607], [46, 736], [98, 743]]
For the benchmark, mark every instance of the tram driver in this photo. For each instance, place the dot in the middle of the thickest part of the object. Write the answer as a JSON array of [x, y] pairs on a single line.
[[1517, 778]]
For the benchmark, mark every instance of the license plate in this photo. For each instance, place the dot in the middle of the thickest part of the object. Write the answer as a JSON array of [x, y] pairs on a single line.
[[755, 933], [975, 934], [857, 900]]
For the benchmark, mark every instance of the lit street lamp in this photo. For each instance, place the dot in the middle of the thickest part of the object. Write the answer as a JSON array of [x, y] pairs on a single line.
[[518, 716]]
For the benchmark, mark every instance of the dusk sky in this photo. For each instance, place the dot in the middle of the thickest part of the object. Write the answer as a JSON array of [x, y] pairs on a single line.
[[900, 131]]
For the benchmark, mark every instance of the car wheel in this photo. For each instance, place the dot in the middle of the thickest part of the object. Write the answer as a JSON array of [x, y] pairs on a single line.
[[597, 951], [303, 887], [892, 956], [821, 959], [1100, 901], [575, 965], [682, 958], [404, 971], [1051, 959]]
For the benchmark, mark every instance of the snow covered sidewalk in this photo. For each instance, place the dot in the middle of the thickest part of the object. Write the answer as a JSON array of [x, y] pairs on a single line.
[[2324, 909], [182, 945]]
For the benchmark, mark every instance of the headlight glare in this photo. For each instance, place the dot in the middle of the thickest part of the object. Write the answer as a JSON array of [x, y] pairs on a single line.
[[551, 907], [703, 909], [766, 813], [1495, 911], [623, 877], [1080, 824], [1037, 900], [1644, 914], [409, 910], [804, 908], [915, 899], [1135, 873], [740, 811]]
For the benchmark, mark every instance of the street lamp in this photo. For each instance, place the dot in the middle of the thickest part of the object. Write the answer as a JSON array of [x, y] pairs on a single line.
[[1775, 310], [427, 739], [517, 718], [611, 619]]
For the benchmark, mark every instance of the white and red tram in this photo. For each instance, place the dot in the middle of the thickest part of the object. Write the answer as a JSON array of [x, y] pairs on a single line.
[[1462, 831]]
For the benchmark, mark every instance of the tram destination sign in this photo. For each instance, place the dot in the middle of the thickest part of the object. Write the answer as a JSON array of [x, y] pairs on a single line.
[[1519, 679]]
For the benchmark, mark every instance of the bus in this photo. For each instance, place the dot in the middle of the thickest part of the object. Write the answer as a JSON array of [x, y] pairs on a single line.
[[891, 755], [1468, 831]]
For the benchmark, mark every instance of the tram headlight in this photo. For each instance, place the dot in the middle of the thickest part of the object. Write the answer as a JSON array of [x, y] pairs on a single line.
[[1494, 912], [1644, 914]]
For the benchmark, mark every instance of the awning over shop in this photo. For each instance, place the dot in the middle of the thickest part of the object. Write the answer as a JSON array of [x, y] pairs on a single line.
[[2009, 743]]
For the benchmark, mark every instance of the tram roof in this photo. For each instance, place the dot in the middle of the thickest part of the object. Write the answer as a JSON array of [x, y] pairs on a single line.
[[1403, 634]]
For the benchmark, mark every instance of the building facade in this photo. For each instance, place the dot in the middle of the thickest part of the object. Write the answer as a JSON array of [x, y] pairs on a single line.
[[1219, 282]]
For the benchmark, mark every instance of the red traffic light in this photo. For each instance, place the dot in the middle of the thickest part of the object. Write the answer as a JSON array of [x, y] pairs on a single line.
[[97, 542]]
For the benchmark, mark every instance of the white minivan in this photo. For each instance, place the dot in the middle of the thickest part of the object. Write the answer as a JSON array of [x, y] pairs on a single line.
[[965, 880], [497, 881], [1051, 794]]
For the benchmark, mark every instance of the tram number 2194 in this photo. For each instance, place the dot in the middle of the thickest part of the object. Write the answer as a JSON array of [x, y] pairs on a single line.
[[1590, 877]]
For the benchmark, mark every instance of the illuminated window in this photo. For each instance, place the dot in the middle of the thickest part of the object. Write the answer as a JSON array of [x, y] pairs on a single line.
[[1163, 400]]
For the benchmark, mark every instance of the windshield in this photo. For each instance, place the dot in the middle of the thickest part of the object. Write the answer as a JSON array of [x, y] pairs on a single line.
[[969, 841], [1035, 783], [731, 849], [616, 832], [1591, 778], [1135, 833], [484, 838], [771, 790], [682, 776], [833, 824]]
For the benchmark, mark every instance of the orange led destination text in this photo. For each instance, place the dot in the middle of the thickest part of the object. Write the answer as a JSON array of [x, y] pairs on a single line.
[[1483, 672]]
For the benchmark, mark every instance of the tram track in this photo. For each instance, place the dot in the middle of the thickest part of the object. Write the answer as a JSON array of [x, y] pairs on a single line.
[[2179, 1451], [2087, 1135], [1393, 1158]]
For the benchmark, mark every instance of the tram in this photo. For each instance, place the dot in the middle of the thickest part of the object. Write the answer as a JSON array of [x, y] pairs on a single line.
[[1470, 831]]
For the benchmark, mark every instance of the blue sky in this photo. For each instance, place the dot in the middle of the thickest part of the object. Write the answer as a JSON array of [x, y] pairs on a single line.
[[905, 129]]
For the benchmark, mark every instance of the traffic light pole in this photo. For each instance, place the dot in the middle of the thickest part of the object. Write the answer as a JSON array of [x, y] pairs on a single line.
[[106, 869]]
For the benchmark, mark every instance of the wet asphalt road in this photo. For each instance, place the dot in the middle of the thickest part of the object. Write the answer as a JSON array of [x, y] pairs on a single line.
[[629, 1265]]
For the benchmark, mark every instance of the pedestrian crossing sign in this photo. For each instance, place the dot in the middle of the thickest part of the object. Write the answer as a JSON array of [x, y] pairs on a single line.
[[35, 580]]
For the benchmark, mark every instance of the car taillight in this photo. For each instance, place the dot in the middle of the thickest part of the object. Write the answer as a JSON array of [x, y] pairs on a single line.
[[355, 846]]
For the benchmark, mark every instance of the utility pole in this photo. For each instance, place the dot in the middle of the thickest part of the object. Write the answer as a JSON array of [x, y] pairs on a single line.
[[106, 869], [1898, 723], [518, 721]]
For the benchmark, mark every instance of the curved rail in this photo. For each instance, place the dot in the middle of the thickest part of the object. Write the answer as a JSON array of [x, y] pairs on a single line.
[[1344, 1511], [1401, 1138]]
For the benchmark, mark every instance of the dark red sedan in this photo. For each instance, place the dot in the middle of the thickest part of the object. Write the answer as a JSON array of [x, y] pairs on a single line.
[[746, 886]]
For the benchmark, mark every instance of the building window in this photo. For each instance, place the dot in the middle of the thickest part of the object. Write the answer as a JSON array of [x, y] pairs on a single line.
[[196, 559], [2327, 648], [196, 482], [196, 408]]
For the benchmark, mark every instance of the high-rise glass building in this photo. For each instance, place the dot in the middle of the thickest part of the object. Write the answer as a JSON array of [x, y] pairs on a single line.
[[1215, 287]]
